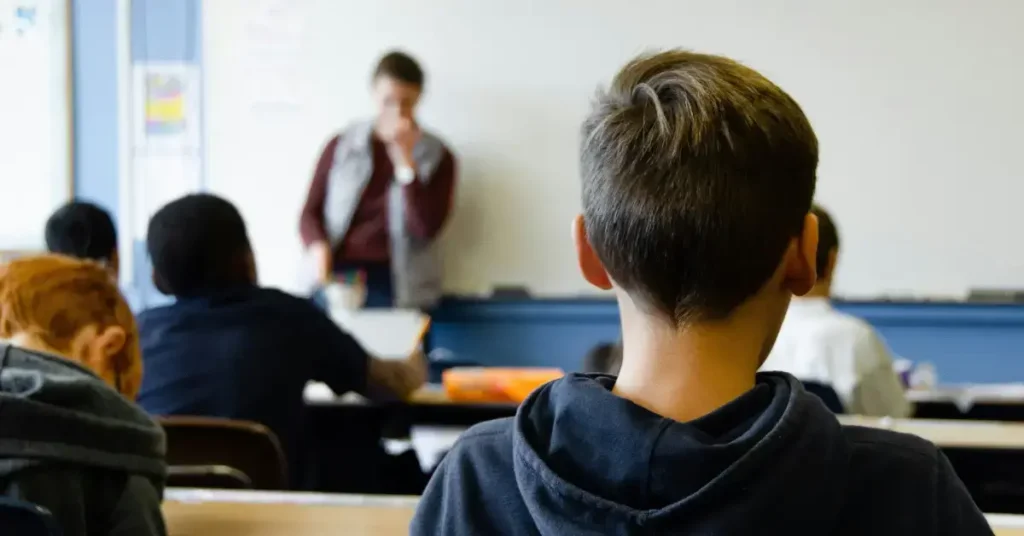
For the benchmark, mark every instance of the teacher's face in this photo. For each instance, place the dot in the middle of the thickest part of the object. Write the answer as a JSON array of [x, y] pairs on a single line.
[[396, 100]]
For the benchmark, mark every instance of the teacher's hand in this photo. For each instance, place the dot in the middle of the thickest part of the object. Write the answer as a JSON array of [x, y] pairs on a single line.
[[401, 142], [323, 257]]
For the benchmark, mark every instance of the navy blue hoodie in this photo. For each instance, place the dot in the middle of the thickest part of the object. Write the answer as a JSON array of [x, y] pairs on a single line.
[[578, 460]]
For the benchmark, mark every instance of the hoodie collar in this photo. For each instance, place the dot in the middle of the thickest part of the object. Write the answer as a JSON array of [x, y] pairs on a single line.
[[576, 442], [54, 409]]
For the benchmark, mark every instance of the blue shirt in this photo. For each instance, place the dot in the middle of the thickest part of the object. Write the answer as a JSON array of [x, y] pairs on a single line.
[[245, 353], [577, 459]]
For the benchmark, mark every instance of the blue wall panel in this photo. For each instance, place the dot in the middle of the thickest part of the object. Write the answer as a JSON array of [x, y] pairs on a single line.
[[966, 342], [94, 77]]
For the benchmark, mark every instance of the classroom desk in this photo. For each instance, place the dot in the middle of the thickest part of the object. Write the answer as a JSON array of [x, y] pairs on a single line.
[[947, 434], [429, 406], [991, 402], [988, 456], [192, 512]]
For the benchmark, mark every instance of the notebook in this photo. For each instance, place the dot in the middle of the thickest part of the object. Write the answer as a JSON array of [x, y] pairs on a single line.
[[384, 333]]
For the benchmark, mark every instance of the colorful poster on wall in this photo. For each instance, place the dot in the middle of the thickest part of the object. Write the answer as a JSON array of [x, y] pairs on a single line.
[[166, 160], [165, 105], [166, 98]]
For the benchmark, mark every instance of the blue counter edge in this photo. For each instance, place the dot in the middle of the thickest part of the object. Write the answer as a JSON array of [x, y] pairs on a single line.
[[967, 342], [956, 314]]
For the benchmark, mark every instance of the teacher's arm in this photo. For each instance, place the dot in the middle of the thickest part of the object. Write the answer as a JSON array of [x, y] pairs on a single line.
[[427, 203], [311, 221]]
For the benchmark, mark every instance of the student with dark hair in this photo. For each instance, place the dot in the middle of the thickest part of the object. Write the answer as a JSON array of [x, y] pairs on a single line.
[[698, 175], [380, 194], [820, 344], [231, 349], [605, 358], [83, 230]]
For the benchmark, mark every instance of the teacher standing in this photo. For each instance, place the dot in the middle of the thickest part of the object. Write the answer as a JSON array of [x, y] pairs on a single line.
[[380, 195]]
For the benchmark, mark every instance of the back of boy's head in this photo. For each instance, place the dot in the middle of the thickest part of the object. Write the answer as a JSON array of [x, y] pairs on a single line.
[[197, 244], [828, 241], [52, 298], [697, 174], [82, 230]]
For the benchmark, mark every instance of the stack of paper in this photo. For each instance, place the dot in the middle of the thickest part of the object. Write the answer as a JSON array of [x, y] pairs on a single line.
[[384, 333]]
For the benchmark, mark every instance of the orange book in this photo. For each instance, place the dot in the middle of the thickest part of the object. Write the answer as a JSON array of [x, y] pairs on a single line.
[[495, 385]]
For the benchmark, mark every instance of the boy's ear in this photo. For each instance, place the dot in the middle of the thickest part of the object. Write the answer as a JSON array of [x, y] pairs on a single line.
[[114, 264], [801, 259], [250, 268], [590, 265], [833, 258], [159, 283], [99, 350]]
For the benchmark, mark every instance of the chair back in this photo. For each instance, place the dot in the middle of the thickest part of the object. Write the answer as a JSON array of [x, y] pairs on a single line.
[[827, 395], [195, 443], [27, 519]]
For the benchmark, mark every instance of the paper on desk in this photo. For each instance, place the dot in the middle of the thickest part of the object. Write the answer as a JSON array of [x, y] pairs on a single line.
[[316, 392], [1005, 521], [384, 333], [965, 396]]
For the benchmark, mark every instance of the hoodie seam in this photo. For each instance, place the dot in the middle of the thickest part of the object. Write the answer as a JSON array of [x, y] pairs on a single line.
[[650, 462], [523, 452], [571, 491]]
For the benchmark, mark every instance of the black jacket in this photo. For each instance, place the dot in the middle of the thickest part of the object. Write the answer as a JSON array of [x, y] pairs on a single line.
[[578, 460], [73, 445]]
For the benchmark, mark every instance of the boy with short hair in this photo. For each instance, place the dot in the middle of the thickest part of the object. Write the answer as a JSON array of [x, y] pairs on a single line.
[[818, 343], [698, 175], [70, 438], [229, 348], [85, 231]]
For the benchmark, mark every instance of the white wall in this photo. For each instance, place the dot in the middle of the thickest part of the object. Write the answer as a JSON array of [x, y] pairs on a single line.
[[916, 104], [35, 123]]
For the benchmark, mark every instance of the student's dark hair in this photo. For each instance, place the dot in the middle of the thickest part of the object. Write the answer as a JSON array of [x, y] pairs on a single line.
[[605, 358], [828, 240], [401, 67], [198, 243], [82, 230], [697, 172]]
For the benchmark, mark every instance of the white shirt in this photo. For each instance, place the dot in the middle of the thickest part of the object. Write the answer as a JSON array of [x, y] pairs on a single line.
[[818, 343]]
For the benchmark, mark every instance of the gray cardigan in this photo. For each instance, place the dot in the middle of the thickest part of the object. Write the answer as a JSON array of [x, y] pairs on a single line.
[[415, 263]]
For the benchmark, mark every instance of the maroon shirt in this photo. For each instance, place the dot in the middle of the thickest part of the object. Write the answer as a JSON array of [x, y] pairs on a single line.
[[367, 241]]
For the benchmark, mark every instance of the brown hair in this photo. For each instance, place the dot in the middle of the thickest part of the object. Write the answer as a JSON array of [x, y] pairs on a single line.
[[54, 297], [697, 172], [401, 67]]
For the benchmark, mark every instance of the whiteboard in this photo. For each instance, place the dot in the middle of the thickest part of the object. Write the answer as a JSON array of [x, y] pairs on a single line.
[[35, 124], [916, 104]]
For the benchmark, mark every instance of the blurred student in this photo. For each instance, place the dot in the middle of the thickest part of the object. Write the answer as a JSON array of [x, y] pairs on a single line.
[[229, 348], [381, 193], [698, 175], [85, 231], [71, 440], [820, 344], [605, 358]]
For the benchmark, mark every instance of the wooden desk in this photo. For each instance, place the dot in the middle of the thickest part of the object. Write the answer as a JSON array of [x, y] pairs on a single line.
[[994, 402], [248, 513], [951, 433], [427, 406], [1006, 525], [245, 513]]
